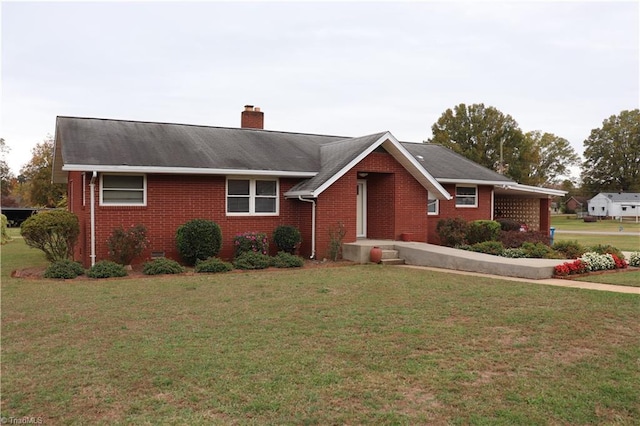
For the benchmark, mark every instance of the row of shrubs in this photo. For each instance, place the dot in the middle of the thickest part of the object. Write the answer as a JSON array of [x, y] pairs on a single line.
[[456, 232], [68, 269], [56, 232]]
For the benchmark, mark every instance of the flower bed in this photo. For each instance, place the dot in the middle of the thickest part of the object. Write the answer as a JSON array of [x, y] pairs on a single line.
[[590, 262]]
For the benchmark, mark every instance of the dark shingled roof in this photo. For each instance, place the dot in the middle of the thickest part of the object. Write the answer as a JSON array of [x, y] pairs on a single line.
[[101, 142], [445, 164], [91, 143]]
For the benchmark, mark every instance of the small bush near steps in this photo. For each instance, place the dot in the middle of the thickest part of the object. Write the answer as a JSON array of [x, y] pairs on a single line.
[[252, 260], [106, 269], [162, 266], [213, 265], [286, 260], [65, 269]]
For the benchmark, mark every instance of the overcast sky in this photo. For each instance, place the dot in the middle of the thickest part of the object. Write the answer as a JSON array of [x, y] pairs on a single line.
[[332, 68]]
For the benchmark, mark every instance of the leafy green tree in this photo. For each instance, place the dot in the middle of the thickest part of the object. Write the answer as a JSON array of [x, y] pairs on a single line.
[[612, 155], [481, 134], [552, 158], [40, 189], [6, 177]]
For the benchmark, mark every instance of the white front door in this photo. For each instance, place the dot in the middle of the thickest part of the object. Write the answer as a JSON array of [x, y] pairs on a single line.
[[361, 209]]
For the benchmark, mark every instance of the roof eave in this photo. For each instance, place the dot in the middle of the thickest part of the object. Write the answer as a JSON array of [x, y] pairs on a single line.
[[184, 170]]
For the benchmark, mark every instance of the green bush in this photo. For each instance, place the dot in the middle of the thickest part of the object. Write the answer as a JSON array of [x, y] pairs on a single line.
[[252, 260], [162, 266], [4, 234], [286, 260], [106, 269], [452, 231], [488, 247], [213, 265], [256, 242], [607, 249], [538, 250], [287, 238], [54, 232], [198, 239], [124, 246], [569, 249], [634, 259], [66, 269], [480, 231]]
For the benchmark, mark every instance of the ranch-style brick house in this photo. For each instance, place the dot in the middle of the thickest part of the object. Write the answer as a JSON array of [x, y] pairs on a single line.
[[161, 175]]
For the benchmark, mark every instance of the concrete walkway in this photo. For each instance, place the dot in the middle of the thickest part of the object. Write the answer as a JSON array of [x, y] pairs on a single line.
[[548, 281], [446, 259]]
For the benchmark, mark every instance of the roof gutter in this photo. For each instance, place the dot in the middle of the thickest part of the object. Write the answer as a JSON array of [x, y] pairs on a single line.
[[313, 225]]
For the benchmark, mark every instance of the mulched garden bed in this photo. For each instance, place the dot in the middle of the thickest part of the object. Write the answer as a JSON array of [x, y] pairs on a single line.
[[136, 271]]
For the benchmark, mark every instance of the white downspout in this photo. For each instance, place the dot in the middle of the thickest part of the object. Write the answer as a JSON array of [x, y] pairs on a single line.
[[313, 225], [92, 186]]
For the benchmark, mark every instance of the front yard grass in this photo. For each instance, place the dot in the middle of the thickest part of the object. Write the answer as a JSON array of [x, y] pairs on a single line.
[[627, 278], [350, 345]]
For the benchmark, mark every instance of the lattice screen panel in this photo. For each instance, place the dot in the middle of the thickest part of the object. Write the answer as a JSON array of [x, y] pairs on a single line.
[[524, 210]]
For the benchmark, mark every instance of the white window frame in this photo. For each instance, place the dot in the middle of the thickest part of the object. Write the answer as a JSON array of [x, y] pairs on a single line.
[[436, 203], [143, 189], [464, 206], [252, 196]]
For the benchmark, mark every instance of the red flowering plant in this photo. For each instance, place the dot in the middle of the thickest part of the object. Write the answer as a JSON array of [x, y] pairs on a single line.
[[620, 263], [571, 268], [256, 242]]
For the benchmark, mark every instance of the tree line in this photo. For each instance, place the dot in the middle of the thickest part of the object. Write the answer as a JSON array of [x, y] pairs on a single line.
[[478, 132]]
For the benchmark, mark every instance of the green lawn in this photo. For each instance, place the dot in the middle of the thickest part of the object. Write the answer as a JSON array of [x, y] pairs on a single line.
[[622, 242], [350, 345], [628, 278], [570, 223]]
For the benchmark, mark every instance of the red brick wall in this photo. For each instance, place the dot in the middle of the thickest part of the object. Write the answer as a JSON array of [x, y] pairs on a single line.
[[172, 201], [448, 209]]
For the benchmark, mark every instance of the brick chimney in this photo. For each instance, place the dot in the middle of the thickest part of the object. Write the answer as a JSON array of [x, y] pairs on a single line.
[[252, 118]]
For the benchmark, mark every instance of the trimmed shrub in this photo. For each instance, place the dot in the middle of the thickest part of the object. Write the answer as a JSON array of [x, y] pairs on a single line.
[[286, 260], [54, 232], [162, 266], [569, 249], [488, 247], [124, 246], [606, 249], [256, 242], [66, 269], [106, 269], [287, 238], [452, 231], [480, 231], [634, 259], [198, 239], [508, 224], [252, 260], [213, 265], [538, 250]]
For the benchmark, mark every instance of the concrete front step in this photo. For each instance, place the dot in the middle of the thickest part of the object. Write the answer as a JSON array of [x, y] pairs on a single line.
[[395, 261], [390, 257]]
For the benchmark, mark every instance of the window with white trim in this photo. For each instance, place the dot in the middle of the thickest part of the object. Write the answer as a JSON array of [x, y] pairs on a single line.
[[123, 190], [432, 204], [466, 196], [252, 196]]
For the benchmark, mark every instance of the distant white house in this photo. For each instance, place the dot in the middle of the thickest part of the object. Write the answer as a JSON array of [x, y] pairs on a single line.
[[615, 204]]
